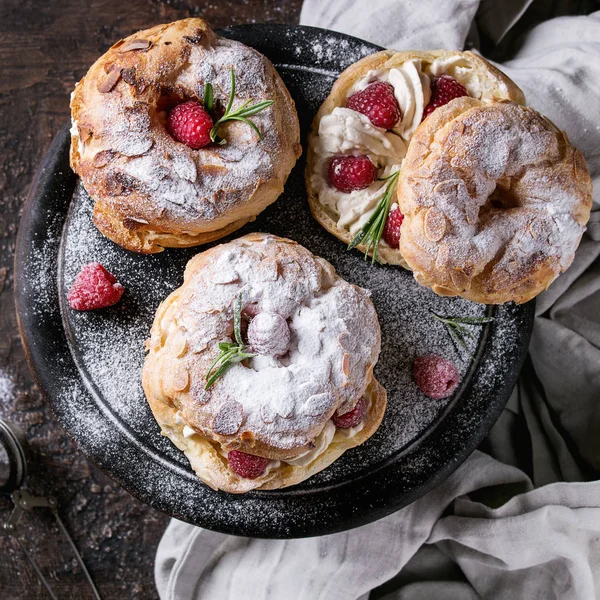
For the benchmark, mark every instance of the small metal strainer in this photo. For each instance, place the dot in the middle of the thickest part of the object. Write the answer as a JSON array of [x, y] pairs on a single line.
[[13, 470]]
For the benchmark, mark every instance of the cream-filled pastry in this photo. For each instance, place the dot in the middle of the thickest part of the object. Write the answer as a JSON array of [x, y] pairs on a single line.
[[260, 366], [361, 134], [181, 136]]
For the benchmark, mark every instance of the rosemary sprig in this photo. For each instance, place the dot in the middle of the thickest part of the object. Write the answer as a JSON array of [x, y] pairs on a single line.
[[208, 100], [455, 326], [231, 352], [370, 233], [241, 113]]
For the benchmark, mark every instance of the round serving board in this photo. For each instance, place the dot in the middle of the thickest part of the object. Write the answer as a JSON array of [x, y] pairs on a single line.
[[88, 364]]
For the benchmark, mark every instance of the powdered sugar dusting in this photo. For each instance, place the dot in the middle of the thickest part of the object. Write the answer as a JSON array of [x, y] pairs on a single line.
[[114, 426], [132, 158], [333, 345], [499, 201]]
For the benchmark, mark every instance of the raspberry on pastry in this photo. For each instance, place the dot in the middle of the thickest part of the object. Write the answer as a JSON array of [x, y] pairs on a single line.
[[444, 89], [164, 166], [246, 465], [349, 173], [373, 111], [391, 231], [353, 417], [190, 124], [377, 101], [269, 405]]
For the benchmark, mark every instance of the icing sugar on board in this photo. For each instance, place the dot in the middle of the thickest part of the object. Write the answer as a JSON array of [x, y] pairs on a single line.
[[89, 364]]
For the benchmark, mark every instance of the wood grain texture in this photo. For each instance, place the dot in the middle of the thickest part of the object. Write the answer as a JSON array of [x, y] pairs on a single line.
[[45, 47]]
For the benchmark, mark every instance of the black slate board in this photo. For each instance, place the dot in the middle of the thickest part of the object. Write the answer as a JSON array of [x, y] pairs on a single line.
[[88, 364]]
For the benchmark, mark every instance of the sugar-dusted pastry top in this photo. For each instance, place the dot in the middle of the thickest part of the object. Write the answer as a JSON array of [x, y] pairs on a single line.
[[340, 130], [495, 201], [151, 190], [318, 336]]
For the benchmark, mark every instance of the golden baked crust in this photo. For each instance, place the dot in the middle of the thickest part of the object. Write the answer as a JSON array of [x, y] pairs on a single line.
[[151, 191], [275, 405], [495, 200], [210, 464], [500, 88]]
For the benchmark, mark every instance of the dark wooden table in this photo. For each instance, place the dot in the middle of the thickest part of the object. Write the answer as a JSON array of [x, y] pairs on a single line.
[[45, 47]]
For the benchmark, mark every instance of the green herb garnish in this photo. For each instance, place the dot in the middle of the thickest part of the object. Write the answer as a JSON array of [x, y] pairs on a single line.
[[241, 113], [208, 100], [370, 233], [231, 352], [456, 327]]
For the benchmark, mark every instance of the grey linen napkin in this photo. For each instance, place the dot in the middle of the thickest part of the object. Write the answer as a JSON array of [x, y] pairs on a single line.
[[521, 520]]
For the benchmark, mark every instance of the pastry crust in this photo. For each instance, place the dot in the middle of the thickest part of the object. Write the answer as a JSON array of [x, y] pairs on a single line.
[[499, 87], [210, 464], [495, 200], [151, 191], [276, 407]]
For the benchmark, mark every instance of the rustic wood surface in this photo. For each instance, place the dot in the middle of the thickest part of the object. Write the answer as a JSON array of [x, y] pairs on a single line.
[[45, 47]]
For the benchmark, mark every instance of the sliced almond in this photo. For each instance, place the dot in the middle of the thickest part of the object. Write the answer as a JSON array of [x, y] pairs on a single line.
[[346, 364], [128, 75], [434, 225], [136, 45], [101, 159], [180, 347], [180, 379], [110, 81], [460, 279]]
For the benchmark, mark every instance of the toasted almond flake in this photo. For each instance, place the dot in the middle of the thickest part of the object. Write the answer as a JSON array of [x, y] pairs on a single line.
[[133, 224], [180, 379], [180, 347], [459, 279], [128, 75], [434, 225], [110, 81], [346, 364], [136, 45]]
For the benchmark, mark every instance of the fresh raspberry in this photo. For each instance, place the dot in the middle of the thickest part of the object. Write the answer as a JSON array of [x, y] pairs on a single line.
[[391, 231], [378, 102], [349, 173], [190, 124], [436, 376], [245, 465], [443, 89], [94, 287], [352, 418]]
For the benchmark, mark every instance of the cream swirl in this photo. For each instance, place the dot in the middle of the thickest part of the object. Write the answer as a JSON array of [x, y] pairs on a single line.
[[345, 131]]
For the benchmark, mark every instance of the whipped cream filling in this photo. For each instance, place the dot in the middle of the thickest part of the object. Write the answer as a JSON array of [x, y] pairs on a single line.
[[346, 132], [322, 442]]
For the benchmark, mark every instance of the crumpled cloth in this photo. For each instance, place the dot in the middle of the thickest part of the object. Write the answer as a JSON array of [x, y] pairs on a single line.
[[520, 519]]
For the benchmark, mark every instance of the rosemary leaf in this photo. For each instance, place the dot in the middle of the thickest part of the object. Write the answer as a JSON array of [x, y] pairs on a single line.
[[237, 320], [208, 97], [370, 233], [230, 352], [241, 113], [456, 327]]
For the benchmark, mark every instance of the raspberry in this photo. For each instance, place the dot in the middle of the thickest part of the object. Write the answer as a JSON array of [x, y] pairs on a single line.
[[94, 287], [349, 173], [352, 418], [436, 376], [378, 102], [443, 89], [245, 465], [391, 231], [190, 124]]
